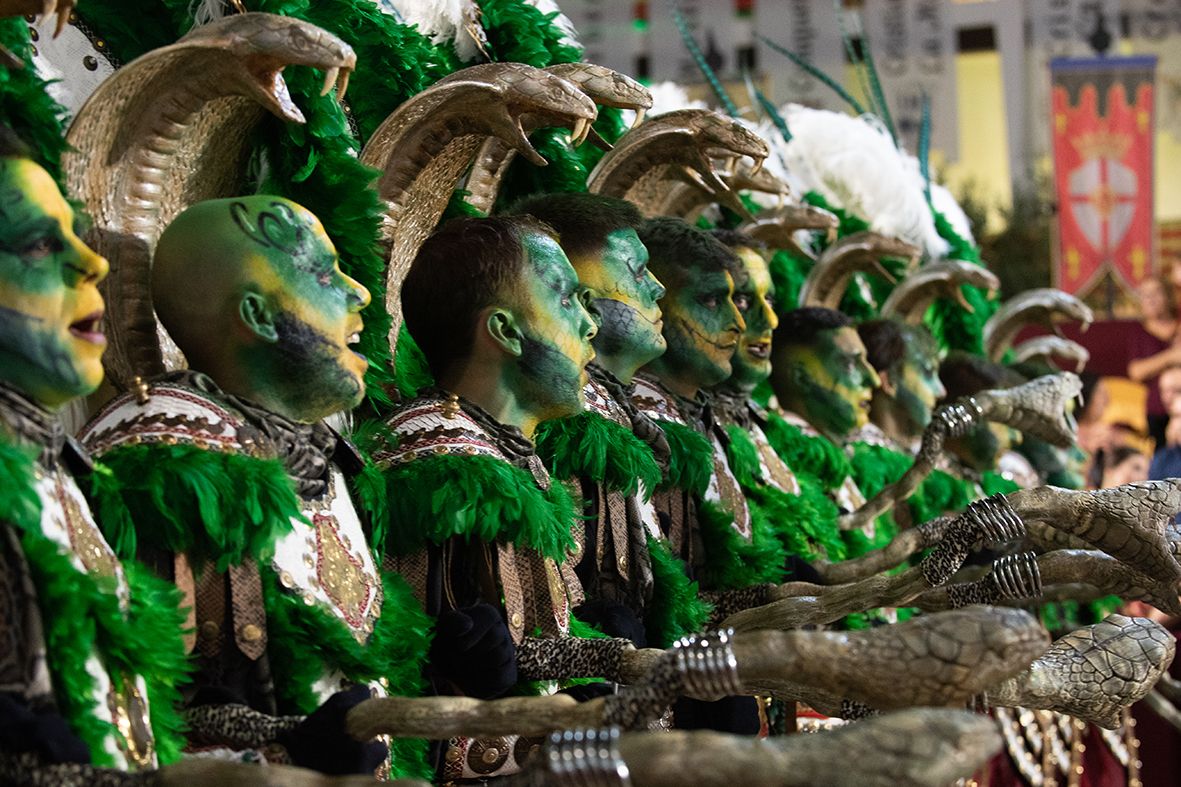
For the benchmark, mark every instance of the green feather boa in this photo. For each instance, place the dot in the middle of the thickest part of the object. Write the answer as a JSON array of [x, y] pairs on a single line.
[[81, 614], [302, 639], [25, 105], [690, 458], [180, 495], [588, 445], [175, 497], [676, 609], [806, 524], [815, 455], [436, 498], [732, 561]]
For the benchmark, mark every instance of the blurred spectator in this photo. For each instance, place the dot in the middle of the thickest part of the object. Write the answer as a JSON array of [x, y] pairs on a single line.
[[1154, 349], [1123, 465], [1166, 462], [1169, 384], [1093, 430]]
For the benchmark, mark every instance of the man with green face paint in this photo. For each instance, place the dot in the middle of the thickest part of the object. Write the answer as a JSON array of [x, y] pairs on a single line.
[[92, 647], [794, 505], [475, 521], [702, 510], [906, 359], [612, 451], [823, 381], [820, 371], [230, 484]]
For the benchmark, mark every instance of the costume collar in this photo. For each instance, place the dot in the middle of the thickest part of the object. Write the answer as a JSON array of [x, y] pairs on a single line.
[[31, 424], [306, 450], [643, 427]]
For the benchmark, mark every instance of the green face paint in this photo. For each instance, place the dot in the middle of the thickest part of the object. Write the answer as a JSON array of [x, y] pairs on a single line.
[[624, 295], [309, 366], [556, 331], [754, 296], [832, 382], [50, 343], [702, 327], [916, 383]]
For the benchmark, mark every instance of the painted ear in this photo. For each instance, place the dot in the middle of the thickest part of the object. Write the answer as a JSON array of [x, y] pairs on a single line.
[[502, 328], [256, 314]]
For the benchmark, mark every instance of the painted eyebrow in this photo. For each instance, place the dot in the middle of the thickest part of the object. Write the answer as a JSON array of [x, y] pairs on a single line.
[[28, 231]]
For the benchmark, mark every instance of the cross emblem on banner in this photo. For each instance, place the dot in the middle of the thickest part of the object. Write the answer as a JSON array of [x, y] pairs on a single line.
[[1103, 200]]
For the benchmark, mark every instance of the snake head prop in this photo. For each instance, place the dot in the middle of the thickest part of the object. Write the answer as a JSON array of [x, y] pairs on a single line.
[[740, 176], [601, 85], [943, 279], [674, 148], [427, 144], [1095, 672], [1046, 307], [1047, 348], [777, 227], [1129, 522], [606, 88], [172, 128], [513, 99], [1065, 569], [861, 252], [1039, 407]]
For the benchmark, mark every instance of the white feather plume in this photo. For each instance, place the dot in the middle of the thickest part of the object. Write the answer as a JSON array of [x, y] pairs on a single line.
[[441, 21], [854, 164], [562, 21]]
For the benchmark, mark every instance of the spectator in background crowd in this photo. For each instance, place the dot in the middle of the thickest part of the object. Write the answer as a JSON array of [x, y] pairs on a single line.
[[1169, 384], [1116, 467], [1154, 349], [1166, 462], [1093, 431]]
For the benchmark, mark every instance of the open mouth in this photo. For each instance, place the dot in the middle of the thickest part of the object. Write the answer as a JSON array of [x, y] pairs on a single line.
[[89, 329], [864, 404], [352, 341], [760, 350]]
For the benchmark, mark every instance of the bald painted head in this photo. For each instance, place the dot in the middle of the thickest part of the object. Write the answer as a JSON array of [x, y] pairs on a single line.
[[251, 290]]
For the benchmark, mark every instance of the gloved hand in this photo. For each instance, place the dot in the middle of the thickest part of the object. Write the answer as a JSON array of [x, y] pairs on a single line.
[[474, 650], [320, 741], [45, 732], [613, 619]]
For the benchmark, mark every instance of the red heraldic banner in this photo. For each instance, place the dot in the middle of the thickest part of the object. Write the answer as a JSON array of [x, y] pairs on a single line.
[[1103, 147]]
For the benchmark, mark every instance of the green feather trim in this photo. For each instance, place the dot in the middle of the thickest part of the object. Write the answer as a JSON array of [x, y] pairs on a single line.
[[303, 639], [212, 506], [26, 106], [814, 455], [676, 609], [849, 222], [732, 561], [590, 446], [994, 483], [788, 271], [475, 497], [81, 615], [805, 524], [691, 460]]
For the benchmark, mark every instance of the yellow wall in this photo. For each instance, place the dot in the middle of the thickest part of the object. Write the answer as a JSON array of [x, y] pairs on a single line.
[[983, 161]]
